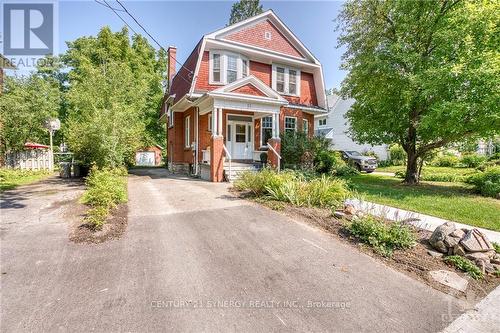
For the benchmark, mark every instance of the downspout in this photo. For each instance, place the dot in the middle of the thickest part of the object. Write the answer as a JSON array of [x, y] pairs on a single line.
[[196, 169]]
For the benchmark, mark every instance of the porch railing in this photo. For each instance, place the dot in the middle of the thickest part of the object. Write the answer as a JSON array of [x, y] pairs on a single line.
[[276, 153], [228, 155]]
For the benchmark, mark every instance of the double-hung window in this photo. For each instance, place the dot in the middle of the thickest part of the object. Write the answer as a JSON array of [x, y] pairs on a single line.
[[226, 67], [216, 68], [187, 134], [290, 124], [286, 80], [305, 126], [210, 123], [170, 117], [322, 122], [232, 68], [267, 129]]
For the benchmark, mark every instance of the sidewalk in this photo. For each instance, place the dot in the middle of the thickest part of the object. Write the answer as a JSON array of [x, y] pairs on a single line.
[[422, 221], [485, 317]]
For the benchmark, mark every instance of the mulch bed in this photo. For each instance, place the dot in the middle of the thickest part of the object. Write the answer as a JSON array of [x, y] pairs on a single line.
[[114, 228], [414, 262]]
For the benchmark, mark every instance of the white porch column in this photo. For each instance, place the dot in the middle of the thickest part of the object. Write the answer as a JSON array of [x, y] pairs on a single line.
[[214, 122], [219, 119], [276, 125]]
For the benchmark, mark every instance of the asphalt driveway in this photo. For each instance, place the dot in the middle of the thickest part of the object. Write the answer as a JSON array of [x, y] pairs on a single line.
[[196, 259]]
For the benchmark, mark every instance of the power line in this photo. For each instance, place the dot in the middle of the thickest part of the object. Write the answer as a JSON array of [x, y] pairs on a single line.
[[115, 10], [144, 29]]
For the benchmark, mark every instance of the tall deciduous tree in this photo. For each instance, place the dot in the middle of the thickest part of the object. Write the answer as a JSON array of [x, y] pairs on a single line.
[[423, 73], [26, 103], [244, 9], [115, 91]]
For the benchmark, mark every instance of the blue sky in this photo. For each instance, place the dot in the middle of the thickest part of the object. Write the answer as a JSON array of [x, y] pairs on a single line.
[[182, 23]]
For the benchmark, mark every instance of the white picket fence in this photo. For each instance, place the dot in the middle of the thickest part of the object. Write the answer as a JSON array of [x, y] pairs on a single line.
[[33, 159]]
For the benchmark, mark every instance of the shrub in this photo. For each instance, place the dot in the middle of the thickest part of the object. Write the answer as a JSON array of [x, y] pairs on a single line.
[[488, 164], [383, 237], [465, 265], [488, 182], [496, 246], [445, 161], [397, 155], [298, 150], [105, 189], [368, 152], [325, 161], [472, 160]]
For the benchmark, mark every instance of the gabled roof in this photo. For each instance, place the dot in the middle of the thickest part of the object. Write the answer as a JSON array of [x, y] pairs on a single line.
[[276, 21], [229, 89]]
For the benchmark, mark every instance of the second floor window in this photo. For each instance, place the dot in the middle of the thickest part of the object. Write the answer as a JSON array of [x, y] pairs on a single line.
[[226, 67], [286, 80]]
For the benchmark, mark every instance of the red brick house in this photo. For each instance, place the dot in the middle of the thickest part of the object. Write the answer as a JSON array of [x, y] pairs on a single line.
[[237, 91]]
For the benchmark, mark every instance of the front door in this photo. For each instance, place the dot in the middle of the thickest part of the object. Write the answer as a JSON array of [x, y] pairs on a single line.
[[239, 140]]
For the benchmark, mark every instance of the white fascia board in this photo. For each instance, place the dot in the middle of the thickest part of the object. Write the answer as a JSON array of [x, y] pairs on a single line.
[[198, 64], [247, 98], [280, 25], [263, 53], [306, 109], [254, 81]]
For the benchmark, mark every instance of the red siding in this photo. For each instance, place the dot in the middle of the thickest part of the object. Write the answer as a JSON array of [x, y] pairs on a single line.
[[249, 89], [264, 73], [254, 35]]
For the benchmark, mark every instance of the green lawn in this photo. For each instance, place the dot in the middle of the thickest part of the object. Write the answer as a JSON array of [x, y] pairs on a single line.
[[9, 178], [452, 201], [431, 169]]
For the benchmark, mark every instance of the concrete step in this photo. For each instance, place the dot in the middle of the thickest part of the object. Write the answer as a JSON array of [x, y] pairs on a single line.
[[237, 170]]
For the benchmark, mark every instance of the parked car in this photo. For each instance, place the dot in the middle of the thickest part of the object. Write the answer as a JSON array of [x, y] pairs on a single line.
[[359, 161]]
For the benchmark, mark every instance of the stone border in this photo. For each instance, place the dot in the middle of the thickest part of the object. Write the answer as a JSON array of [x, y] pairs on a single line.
[[419, 220]]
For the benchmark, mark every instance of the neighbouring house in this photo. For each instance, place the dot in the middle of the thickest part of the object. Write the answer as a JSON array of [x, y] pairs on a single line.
[[334, 126], [148, 156], [236, 92]]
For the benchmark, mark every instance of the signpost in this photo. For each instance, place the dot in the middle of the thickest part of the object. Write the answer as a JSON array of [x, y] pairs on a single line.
[[52, 125]]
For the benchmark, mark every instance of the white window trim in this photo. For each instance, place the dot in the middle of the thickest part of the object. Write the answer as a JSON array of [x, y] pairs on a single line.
[[209, 122], [284, 123], [287, 79], [170, 118], [187, 132], [305, 126], [262, 130], [223, 66], [319, 122]]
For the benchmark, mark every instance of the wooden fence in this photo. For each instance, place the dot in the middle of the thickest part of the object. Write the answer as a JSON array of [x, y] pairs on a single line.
[[34, 159]]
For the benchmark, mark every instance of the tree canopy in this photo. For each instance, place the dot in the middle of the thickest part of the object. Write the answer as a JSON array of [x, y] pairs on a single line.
[[244, 9], [423, 73]]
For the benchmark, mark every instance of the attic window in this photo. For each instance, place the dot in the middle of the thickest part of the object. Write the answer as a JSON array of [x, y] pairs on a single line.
[[267, 35]]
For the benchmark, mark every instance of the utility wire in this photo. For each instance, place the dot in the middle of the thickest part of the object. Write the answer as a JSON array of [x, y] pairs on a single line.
[[144, 29], [115, 10]]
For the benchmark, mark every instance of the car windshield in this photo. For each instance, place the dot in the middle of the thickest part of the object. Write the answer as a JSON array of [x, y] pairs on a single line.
[[353, 153]]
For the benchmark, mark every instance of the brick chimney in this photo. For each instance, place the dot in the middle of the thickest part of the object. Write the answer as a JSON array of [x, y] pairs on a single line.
[[171, 52]]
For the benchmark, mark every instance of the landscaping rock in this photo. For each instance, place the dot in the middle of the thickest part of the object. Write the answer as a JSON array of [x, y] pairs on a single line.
[[450, 241], [435, 254], [450, 279], [458, 250], [475, 241], [477, 256], [495, 259], [458, 233], [349, 209], [438, 236]]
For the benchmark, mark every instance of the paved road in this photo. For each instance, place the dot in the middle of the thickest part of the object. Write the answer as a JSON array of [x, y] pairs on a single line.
[[196, 259]]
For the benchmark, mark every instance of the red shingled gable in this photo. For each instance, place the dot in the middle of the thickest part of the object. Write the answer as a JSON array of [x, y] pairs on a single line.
[[249, 89], [255, 36], [183, 78]]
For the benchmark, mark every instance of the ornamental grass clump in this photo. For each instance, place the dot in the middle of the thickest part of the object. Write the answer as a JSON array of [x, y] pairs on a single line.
[[295, 188]]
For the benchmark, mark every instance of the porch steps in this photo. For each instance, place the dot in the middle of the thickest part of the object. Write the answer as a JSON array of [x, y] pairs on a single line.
[[238, 168]]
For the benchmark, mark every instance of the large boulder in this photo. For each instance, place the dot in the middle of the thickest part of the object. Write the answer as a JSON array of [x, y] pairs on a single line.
[[439, 235], [475, 241]]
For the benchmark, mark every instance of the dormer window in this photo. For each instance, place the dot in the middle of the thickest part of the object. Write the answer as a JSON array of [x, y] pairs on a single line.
[[286, 80], [226, 67]]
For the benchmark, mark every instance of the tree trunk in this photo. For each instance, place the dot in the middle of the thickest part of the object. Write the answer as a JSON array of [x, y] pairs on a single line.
[[412, 176]]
